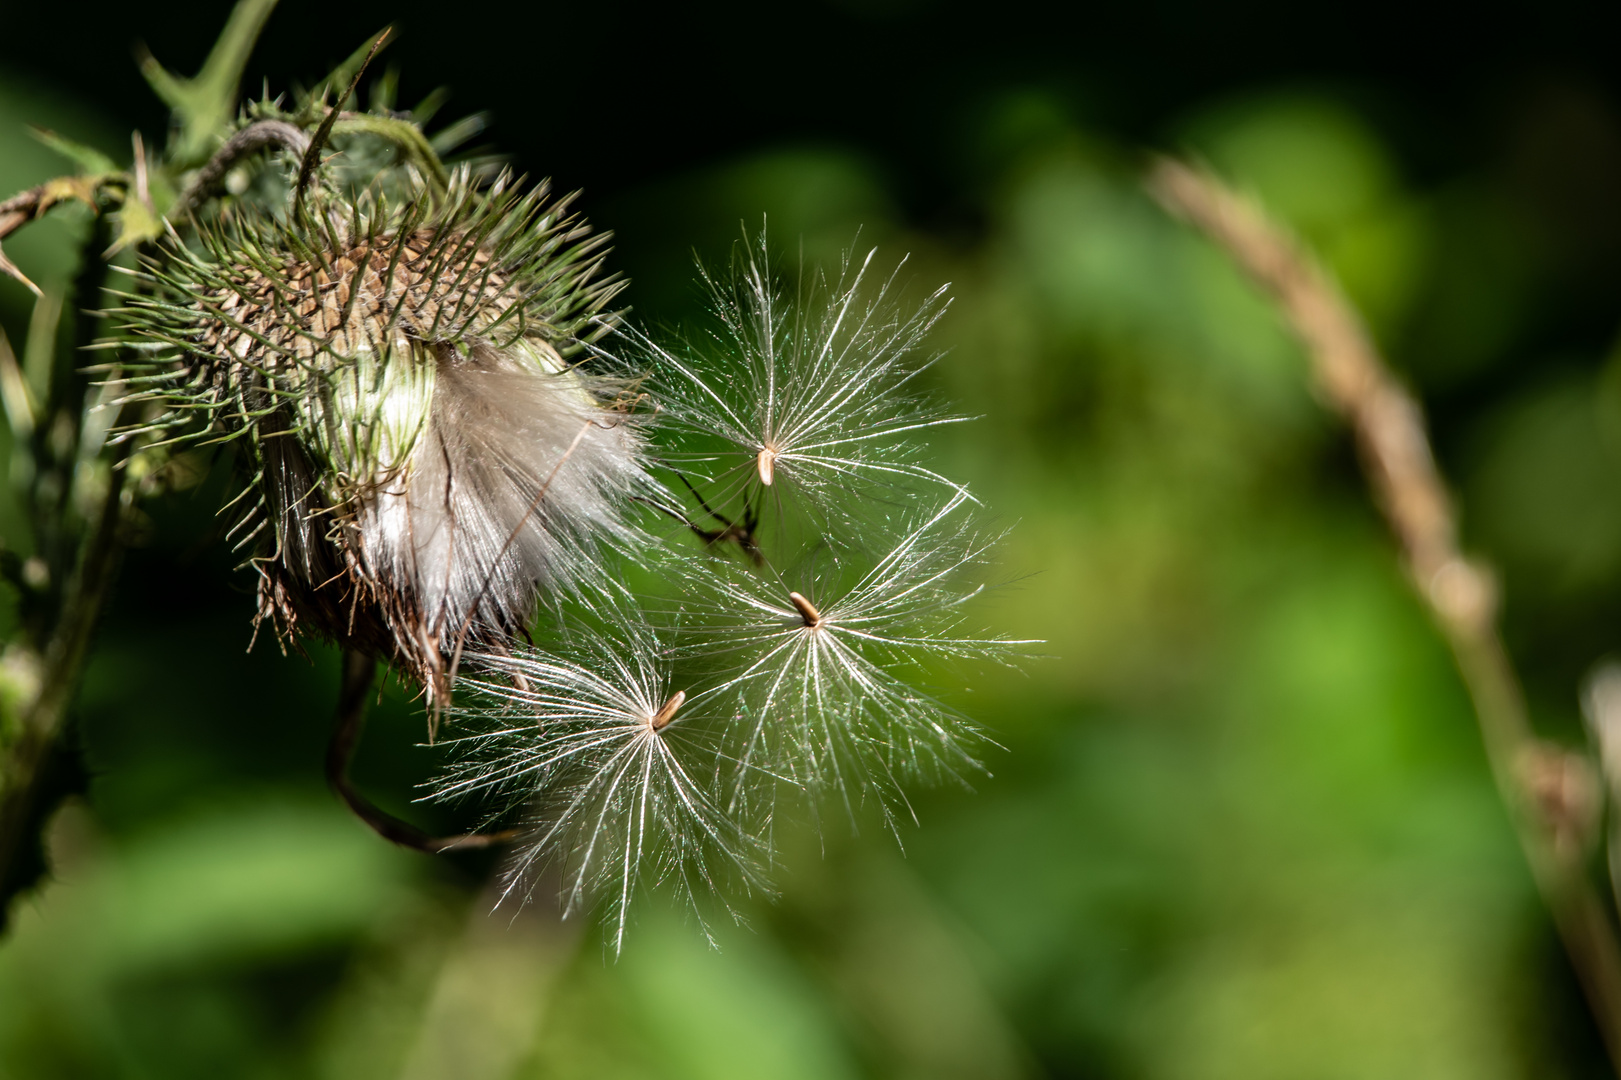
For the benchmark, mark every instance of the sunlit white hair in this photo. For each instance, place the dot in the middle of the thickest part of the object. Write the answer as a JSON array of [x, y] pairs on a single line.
[[820, 670], [810, 397], [795, 664], [517, 484], [615, 771]]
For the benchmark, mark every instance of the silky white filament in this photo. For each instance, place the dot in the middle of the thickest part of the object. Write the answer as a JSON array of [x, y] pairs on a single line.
[[823, 703], [817, 393], [795, 657], [615, 770]]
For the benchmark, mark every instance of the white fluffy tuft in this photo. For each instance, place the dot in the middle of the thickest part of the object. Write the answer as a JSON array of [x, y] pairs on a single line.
[[518, 480]]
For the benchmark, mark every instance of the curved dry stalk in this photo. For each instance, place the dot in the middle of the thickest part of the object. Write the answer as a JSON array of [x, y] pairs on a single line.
[[1549, 791], [257, 136], [358, 672], [26, 206]]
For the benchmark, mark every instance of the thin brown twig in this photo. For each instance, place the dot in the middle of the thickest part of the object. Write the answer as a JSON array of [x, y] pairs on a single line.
[[1544, 787], [312, 152], [257, 136], [26, 206], [359, 671], [16, 212]]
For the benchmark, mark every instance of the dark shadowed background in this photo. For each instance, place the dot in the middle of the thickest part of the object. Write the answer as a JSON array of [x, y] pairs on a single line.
[[1242, 826]]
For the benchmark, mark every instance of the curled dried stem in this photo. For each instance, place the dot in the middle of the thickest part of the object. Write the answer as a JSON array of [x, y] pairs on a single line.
[[312, 152], [1395, 449], [24, 207], [358, 672], [259, 135]]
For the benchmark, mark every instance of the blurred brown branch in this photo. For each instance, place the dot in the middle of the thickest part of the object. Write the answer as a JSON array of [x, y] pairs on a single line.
[[16, 212], [26, 206], [1551, 793], [359, 672]]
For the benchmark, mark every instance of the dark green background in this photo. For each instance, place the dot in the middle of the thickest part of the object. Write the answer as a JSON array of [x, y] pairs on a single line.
[[1242, 827]]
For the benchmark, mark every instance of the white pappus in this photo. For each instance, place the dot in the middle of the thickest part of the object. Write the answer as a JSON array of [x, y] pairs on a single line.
[[614, 772]]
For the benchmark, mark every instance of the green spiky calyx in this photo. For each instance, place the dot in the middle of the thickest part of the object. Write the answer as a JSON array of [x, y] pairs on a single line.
[[314, 339], [262, 304]]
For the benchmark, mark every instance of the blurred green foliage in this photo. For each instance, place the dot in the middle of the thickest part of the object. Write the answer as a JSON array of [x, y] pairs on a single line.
[[1241, 828]]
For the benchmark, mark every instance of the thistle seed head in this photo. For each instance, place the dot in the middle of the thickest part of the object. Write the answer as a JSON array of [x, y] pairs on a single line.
[[424, 461]]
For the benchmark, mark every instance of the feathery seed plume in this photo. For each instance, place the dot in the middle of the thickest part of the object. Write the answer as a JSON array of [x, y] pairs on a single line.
[[807, 402], [615, 768]]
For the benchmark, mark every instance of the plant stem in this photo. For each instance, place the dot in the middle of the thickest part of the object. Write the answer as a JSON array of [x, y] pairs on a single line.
[[78, 550], [23, 757], [359, 671], [1541, 784]]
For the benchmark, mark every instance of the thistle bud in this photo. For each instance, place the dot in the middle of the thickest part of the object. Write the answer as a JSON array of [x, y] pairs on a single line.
[[423, 459]]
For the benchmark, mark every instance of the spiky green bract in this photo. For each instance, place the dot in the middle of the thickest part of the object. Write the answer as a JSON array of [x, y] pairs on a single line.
[[804, 396], [616, 768], [260, 304], [819, 654], [376, 152], [422, 457]]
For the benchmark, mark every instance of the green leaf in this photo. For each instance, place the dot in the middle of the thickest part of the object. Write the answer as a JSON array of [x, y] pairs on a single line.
[[385, 91], [69, 189], [404, 134], [39, 349], [91, 162], [20, 406], [462, 131], [424, 111], [204, 105], [137, 224]]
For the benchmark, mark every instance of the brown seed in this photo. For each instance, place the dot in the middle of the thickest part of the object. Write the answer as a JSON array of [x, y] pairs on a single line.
[[662, 718], [807, 610]]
